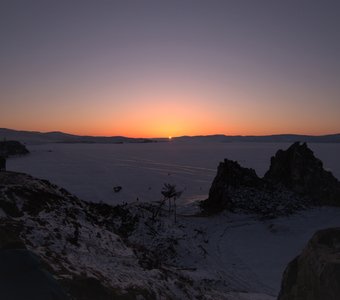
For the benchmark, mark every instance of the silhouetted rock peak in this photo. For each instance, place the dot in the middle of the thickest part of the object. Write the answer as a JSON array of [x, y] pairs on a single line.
[[315, 274], [234, 175], [230, 176], [291, 166], [300, 171], [295, 179]]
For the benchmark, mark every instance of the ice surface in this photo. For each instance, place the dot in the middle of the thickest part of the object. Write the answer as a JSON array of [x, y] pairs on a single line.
[[265, 248], [92, 170]]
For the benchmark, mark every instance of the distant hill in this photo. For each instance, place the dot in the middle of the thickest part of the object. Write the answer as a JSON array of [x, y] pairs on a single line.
[[278, 138], [35, 137]]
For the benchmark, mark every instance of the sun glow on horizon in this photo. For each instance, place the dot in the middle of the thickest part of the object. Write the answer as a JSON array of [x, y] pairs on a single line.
[[170, 69]]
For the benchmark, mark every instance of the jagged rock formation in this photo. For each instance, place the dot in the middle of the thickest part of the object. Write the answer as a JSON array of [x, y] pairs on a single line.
[[8, 148], [299, 170], [230, 178], [295, 179], [315, 274]]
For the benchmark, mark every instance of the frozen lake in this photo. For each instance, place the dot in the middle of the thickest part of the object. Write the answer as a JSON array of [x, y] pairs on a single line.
[[90, 171]]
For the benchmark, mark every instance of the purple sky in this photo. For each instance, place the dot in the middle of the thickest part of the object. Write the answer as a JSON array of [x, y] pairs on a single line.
[[159, 68]]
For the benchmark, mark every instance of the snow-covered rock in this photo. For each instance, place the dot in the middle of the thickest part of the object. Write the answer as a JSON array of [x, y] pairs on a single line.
[[133, 251], [78, 240]]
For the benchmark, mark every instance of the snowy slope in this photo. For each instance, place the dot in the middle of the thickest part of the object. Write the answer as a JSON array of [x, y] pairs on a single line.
[[121, 247], [228, 256]]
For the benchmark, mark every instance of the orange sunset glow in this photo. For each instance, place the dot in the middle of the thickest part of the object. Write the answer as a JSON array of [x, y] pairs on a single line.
[[163, 73]]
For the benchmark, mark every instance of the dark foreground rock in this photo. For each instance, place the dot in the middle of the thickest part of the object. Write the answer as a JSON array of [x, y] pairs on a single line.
[[2, 163], [295, 180], [22, 276], [315, 274], [22, 273], [8, 148], [99, 251], [79, 242]]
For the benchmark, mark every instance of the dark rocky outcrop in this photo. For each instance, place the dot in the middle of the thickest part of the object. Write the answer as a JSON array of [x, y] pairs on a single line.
[[230, 177], [22, 273], [8, 148], [315, 274], [299, 170], [295, 179], [2, 163], [38, 195], [22, 276], [38, 216]]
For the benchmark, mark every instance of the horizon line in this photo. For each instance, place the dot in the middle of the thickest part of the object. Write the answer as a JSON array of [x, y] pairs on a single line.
[[170, 137]]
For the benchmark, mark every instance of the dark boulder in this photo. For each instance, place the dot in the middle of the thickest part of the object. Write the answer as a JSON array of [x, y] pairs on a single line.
[[298, 170], [315, 274], [2, 163], [8, 148], [117, 188]]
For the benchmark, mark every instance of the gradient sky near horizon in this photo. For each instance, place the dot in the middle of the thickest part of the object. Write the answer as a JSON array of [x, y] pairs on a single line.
[[167, 68]]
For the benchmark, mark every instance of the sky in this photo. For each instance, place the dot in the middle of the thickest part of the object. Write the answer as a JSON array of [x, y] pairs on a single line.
[[145, 68]]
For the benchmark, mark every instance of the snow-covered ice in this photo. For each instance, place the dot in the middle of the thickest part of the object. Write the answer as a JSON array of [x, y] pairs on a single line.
[[90, 171]]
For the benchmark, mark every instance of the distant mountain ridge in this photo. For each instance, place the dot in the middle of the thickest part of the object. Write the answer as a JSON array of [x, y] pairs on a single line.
[[36, 137], [283, 138], [33, 137]]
